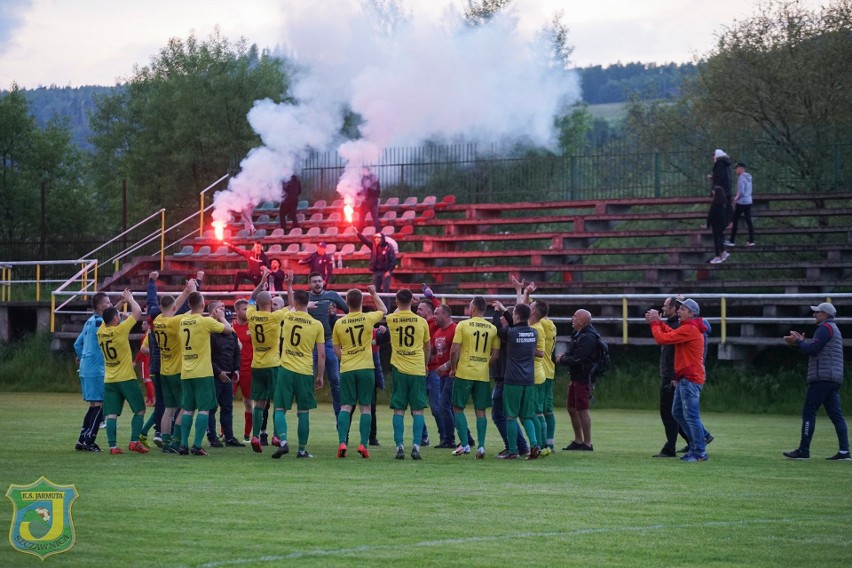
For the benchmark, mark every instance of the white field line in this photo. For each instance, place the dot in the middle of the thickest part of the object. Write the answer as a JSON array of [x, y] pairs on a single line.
[[318, 553]]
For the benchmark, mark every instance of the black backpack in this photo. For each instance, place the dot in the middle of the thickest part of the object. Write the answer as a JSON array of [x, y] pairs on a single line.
[[601, 364]]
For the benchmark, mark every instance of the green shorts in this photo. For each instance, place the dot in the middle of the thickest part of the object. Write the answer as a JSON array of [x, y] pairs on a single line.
[[547, 404], [519, 401], [463, 389], [357, 387], [263, 383], [408, 389], [116, 393], [540, 396], [290, 385], [171, 385], [198, 394]]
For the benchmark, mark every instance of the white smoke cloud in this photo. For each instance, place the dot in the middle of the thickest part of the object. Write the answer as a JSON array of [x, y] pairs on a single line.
[[427, 77]]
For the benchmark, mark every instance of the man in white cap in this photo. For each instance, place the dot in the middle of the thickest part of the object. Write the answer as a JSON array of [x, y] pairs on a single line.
[[824, 379], [688, 341]]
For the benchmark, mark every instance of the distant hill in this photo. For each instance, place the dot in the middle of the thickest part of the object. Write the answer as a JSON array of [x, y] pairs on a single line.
[[601, 86]]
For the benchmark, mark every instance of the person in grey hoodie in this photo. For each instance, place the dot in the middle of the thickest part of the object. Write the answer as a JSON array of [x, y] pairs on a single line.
[[742, 205]]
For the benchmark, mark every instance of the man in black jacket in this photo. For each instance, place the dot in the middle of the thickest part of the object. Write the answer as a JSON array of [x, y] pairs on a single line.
[[580, 359], [225, 355], [382, 260], [290, 191], [669, 311]]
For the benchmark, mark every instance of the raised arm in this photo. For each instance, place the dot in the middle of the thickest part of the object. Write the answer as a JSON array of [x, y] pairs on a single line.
[[135, 309], [151, 299], [191, 286], [377, 300], [264, 276]]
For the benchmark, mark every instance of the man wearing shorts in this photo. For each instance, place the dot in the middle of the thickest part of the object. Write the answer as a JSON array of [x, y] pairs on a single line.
[[91, 361], [120, 382], [302, 334], [523, 345], [198, 390], [475, 347], [580, 360], [241, 329], [353, 338], [410, 351], [265, 328], [167, 334]]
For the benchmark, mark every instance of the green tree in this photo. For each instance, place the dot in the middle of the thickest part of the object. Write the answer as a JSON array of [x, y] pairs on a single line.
[[776, 89], [180, 122], [30, 156]]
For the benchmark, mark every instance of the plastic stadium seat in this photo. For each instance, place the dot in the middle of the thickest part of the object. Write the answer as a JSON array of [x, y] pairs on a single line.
[[369, 231], [350, 231], [277, 233], [331, 232], [337, 204], [203, 251], [293, 249], [348, 248], [405, 230], [392, 201], [314, 232], [389, 230], [310, 248], [409, 202], [316, 218], [274, 249], [185, 251], [303, 204], [300, 218], [260, 233], [389, 216], [242, 233], [221, 251], [448, 199], [365, 250], [331, 248], [408, 215], [320, 204], [266, 206], [429, 200], [334, 217], [262, 219], [208, 234], [296, 232]]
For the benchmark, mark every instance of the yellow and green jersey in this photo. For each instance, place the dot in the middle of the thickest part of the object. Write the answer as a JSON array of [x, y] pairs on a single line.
[[353, 333], [549, 346], [115, 345], [195, 331], [300, 335], [167, 332], [265, 330], [408, 333], [477, 338], [539, 346]]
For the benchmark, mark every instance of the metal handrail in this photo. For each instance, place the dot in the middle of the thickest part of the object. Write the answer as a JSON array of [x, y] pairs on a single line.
[[202, 208], [118, 236]]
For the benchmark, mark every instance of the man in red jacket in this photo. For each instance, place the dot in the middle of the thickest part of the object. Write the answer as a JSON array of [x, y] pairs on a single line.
[[688, 340]]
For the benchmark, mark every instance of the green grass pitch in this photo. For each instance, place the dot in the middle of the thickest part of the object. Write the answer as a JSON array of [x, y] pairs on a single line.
[[616, 506]]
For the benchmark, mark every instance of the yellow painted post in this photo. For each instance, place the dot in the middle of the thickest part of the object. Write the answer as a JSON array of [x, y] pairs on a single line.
[[724, 321], [38, 282], [624, 320], [52, 313], [163, 238]]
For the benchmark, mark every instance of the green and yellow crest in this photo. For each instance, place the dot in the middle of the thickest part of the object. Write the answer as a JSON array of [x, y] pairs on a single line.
[[41, 519]]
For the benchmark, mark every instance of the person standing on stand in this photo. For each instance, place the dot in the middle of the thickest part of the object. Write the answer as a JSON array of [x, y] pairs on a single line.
[[290, 192], [320, 262], [742, 205], [369, 196]]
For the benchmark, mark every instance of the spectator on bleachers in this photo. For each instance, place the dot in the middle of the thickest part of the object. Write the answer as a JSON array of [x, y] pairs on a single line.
[[721, 175], [290, 192], [717, 219], [742, 205], [369, 199], [382, 260], [256, 258], [320, 262], [276, 275]]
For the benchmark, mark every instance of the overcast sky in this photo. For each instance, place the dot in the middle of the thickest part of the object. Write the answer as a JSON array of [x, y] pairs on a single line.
[[97, 42]]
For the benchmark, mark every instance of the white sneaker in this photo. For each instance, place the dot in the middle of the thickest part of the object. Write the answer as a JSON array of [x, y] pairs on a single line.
[[750, 244], [729, 244], [461, 450], [716, 260], [724, 256]]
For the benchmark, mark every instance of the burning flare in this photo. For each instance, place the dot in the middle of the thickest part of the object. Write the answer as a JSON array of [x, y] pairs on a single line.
[[219, 227], [348, 210]]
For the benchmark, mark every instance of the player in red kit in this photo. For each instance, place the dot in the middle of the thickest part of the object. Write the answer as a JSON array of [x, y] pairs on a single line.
[[241, 328]]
